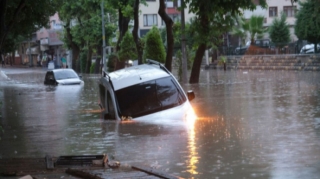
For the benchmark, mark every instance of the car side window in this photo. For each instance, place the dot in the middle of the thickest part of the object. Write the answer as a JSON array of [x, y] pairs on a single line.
[[168, 93]]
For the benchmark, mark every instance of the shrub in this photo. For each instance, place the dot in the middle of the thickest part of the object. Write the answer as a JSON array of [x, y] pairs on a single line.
[[128, 48], [111, 62], [92, 67], [153, 48]]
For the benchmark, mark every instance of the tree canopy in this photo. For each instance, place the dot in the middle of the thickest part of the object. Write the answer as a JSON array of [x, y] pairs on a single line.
[[214, 18], [279, 31], [154, 48], [307, 25], [22, 17]]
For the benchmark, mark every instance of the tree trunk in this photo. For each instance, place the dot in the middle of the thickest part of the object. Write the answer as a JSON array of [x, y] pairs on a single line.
[[195, 73], [135, 31], [74, 47], [123, 28], [170, 40], [88, 65]]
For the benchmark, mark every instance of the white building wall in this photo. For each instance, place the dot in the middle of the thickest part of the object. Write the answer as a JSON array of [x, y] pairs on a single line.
[[152, 8], [279, 4]]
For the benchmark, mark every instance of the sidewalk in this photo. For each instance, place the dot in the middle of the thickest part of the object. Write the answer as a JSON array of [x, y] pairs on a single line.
[[48, 167]]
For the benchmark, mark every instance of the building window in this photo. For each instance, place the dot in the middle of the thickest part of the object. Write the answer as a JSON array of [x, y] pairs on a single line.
[[174, 17], [150, 19], [289, 11], [173, 3], [273, 11]]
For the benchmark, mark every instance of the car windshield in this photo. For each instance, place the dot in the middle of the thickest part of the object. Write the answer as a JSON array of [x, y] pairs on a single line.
[[65, 74], [149, 97]]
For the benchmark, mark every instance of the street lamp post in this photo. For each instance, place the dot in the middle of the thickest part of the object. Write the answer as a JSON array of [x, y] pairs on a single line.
[[183, 47], [103, 39]]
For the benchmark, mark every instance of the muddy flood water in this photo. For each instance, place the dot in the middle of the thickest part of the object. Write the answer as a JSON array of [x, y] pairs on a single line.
[[251, 124]]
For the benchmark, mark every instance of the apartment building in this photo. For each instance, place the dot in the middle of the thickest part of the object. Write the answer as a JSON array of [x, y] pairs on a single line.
[[149, 16], [274, 10], [50, 42]]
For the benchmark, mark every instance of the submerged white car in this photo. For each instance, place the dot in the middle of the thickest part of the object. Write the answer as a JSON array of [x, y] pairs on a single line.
[[143, 92], [62, 77]]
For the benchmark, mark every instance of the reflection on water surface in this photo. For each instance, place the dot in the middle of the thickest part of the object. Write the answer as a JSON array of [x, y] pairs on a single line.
[[250, 125]]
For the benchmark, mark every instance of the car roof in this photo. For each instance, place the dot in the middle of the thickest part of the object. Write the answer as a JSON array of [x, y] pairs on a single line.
[[61, 69], [136, 74]]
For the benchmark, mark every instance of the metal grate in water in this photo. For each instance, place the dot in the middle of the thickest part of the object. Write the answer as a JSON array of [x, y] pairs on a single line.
[[82, 160]]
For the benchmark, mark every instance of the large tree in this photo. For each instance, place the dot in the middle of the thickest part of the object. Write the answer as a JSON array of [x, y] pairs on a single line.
[[214, 14], [24, 17], [308, 22], [170, 41], [85, 34], [279, 31]]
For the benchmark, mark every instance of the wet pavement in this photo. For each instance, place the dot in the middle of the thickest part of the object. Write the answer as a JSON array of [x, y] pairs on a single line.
[[251, 124]]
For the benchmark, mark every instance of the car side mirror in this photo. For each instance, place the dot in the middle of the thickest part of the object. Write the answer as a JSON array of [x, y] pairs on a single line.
[[190, 95]]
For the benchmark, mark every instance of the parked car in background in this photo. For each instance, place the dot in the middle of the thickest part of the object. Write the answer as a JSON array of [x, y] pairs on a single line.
[[144, 92], [309, 48], [242, 49], [62, 77], [262, 43]]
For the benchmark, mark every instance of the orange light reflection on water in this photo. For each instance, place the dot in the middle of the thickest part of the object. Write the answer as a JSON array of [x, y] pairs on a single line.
[[191, 121], [191, 118]]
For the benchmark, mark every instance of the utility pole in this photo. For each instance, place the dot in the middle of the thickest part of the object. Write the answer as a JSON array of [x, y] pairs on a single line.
[[183, 46], [103, 39]]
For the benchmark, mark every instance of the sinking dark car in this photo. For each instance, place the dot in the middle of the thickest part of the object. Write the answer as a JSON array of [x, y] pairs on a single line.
[[62, 77]]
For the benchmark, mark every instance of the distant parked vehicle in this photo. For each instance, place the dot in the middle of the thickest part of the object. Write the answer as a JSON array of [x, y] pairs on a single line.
[[262, 43], [242, 49], [309, 48], [62, 77]]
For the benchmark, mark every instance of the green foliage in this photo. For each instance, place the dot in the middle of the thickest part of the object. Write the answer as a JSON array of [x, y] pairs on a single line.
[[178, 61], [86, 26], [279, 31], [215, 17], [92, 67], [308, 21], [255, 27], [21, 18], [111, 62], [222, 60], [128, 48], [239, 30], [153, 48], [190, 40]]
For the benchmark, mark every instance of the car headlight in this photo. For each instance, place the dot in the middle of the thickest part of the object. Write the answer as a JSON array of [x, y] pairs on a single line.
[[190, 117]]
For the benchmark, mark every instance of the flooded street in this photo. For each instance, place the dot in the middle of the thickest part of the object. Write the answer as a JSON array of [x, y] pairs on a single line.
[[251, 124]]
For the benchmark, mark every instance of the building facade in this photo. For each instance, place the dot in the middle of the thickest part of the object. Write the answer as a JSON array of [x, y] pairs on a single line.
[[274, 10], [50, 42], [149, 16]]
